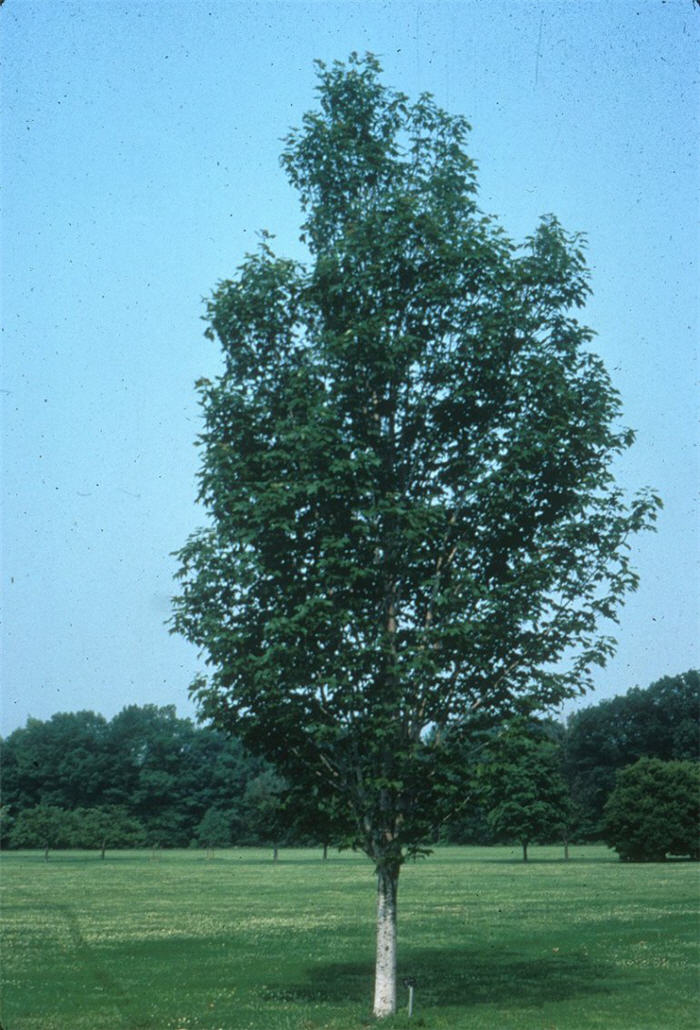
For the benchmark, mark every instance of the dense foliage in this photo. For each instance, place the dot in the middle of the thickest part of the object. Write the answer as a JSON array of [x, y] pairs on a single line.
[[151, 775], [654, 811], [662, 721], [406, 468], [406, 472]]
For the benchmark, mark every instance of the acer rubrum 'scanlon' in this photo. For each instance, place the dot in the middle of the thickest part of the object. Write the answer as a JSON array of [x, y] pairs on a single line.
[[406, 471]]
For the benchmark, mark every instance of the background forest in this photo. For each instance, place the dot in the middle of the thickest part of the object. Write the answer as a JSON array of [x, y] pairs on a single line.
[[149, 778]]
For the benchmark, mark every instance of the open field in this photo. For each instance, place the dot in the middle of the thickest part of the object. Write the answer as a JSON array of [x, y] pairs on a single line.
[[185, 942]]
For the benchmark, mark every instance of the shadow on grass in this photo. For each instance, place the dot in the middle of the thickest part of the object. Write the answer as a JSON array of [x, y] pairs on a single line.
[[457, 977], [563, 862]]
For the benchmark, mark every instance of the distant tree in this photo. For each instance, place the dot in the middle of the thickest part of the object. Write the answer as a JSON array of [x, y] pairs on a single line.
[[215, 774], [306, 825], [469, 825], [523, 790], [44, 827], [6, 823], [214, 831], [406, 468], [661, 721], [150, 741], [107, 826], [654, 811], [158, 781], [62, 762], [267, 818]]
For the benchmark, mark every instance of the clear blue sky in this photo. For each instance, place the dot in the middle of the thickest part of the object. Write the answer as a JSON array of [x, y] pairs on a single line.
[[140, 155]]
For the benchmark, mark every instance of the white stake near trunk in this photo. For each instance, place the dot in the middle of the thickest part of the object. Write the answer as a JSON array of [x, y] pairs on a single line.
[[385, 973], [411, 984]]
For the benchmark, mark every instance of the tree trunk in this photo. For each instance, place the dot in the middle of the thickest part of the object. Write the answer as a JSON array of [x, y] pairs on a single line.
[[524, 851], [385, 972], [325, 852]]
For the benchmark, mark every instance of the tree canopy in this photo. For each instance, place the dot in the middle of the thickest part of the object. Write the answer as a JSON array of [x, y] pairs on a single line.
[[406, 461], [406, 465]]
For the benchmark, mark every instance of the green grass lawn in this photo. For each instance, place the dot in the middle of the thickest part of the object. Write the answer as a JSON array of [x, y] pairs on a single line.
[[186, 942]]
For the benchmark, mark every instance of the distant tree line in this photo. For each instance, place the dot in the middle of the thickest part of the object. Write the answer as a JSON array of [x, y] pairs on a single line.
[[148, 778], [661, 722], [540, 781]]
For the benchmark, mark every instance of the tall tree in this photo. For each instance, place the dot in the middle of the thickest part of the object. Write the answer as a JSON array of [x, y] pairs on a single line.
[[153, 746], [63, 762], [406, 468], [264, 800]]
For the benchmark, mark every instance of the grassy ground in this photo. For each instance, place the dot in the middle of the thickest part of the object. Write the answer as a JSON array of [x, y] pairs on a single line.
[[185, 942]]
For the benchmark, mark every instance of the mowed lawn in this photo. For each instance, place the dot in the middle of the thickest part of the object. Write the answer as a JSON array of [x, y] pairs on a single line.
[[235, 941]]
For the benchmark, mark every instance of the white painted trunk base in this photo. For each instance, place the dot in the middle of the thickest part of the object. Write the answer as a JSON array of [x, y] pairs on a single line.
[[385, 971]]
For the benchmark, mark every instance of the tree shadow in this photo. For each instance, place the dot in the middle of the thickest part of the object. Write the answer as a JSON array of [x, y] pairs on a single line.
[[575, 860], [460, 976]]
